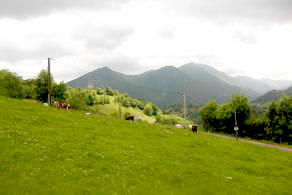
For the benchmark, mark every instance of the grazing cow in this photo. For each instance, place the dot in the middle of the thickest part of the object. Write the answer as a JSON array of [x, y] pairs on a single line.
[[65, 106], [45, 104], [194, 128], [56, 104], [130, 118]]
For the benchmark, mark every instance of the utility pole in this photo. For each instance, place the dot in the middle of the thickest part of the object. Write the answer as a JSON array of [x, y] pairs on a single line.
[[49, 81], [185, 106], [235, 125]]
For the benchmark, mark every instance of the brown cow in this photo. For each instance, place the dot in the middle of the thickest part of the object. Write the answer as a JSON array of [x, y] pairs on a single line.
[[65, 106], [130, 118], [194, 128]]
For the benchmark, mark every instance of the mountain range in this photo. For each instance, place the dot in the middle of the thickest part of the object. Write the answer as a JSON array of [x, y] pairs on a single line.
[[165, 86], [273, 95]]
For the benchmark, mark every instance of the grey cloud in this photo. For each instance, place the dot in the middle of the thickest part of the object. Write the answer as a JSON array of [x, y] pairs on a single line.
[[236, 10], [167, 32], [247, 38], [22, 9], [104, 37], [12, 52]]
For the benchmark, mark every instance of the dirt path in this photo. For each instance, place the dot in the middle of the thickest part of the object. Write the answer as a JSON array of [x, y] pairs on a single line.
[[250, 141]]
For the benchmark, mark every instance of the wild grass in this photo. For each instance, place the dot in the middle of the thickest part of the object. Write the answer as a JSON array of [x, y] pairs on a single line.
[[48, 151]]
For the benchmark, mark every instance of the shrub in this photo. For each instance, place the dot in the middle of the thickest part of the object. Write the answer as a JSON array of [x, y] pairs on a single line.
[[29, 89], [77, 98], [111, 92], [59, 91], [11, 85], [99, 91], [148, 110], [171, 120], [103, 99]]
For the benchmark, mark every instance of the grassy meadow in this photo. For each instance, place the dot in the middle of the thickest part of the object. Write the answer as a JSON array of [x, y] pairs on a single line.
[[48, 151]]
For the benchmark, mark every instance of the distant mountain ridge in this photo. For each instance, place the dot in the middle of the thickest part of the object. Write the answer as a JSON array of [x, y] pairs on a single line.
[[165, 85], [277, 84], [254, 84], [273, 95]]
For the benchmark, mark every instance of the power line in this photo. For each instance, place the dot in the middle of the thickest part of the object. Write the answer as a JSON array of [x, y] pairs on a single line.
[[85, 71]]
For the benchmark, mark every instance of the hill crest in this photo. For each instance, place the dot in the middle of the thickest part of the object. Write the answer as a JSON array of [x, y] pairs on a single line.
[[164, 86]]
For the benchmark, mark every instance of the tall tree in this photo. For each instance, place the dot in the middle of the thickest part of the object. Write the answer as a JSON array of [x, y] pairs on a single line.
[[208, 115], [241, 108], [11, 85], [59, 91], [280, 120], [42, 82]]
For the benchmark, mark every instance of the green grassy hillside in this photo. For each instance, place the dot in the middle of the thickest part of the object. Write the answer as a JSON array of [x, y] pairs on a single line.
[[48, 151]]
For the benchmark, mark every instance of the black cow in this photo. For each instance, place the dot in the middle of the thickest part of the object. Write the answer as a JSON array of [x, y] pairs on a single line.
[[130, 118], [194, 128]]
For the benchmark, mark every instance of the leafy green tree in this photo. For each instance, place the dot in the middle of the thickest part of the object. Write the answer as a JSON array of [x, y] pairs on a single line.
[[241, 108], [99, 91], [103, 99], [111, 92], [29, 89], [11, 85], [208, 115], [148, 110], [279, 118], [77, 98], [42, 82], [224, 121], [59, 91], [156, 110], [257, 128]]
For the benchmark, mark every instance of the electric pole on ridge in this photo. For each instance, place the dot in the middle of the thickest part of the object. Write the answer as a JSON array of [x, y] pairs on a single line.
[[235, 125], [49, 81], [185, 106]]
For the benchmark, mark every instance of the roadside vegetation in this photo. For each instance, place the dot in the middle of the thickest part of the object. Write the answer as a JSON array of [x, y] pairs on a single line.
[[272, 121]]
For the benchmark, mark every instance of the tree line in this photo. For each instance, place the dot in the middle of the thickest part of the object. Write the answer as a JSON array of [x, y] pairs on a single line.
[[14, 86], [269, 122]]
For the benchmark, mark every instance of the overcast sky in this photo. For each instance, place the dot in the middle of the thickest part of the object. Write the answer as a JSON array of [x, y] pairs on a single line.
[[239, 37]]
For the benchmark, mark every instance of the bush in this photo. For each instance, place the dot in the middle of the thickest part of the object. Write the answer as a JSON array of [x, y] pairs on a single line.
[[148, 110], [111, 92], [103, 99], [208, 115], [77, 98], [11, 85], [279, 117], [29, 89], [99, 91], [156, 110], [59, 92], [171, 120]]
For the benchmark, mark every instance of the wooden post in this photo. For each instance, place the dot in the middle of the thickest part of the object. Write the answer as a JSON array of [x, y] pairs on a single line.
[[49, 81], [185, 106]]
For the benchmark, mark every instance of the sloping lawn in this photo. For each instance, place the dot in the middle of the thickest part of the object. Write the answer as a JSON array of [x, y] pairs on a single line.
[[48, 151]]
